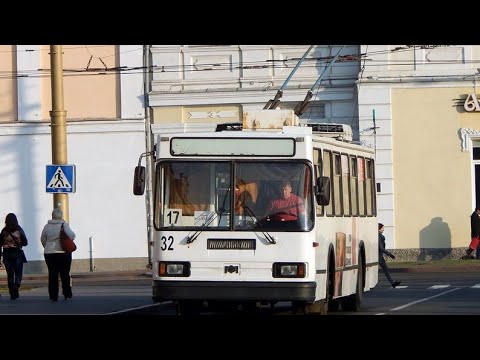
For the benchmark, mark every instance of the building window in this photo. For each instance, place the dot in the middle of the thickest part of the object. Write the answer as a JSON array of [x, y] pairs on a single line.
[[476, 150]]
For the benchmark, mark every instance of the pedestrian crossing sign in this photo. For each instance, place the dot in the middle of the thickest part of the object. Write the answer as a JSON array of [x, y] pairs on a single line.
[[60, 179]]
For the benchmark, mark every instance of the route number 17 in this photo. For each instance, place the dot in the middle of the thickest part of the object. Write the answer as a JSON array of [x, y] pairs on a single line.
[[173, 217]]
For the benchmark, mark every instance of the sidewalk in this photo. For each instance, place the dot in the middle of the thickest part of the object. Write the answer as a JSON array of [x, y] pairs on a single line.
[[91, 276], [434, 266], [394, 266]]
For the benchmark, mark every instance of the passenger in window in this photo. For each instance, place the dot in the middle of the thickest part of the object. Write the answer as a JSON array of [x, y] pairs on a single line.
[[289, 207], [381, 260], [245, 195]]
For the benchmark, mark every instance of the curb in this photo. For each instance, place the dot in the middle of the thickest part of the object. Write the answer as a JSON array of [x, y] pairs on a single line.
[[94, 275], [111, 274], [419, 268], [431, 269]]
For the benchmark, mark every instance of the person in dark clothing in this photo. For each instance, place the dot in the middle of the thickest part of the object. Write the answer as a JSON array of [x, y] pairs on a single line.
[[474, 232], [381, 260], [12, 239]]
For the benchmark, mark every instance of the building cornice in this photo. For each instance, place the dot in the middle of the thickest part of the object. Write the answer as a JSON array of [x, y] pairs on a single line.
[[416, 84], [100, 126], [244, 96]]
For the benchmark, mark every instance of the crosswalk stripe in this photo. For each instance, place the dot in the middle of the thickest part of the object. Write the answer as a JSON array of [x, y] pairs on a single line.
[[425, 299], [476, 286], [438, 286]]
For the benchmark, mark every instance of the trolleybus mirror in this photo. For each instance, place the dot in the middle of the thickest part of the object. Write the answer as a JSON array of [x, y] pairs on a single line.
[[139, 180], [322, 193]]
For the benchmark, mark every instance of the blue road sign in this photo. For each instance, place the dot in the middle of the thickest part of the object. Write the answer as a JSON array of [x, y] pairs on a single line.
[[60, 179]]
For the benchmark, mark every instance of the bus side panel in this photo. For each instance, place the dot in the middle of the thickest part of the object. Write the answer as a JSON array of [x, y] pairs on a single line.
[[339, 233]]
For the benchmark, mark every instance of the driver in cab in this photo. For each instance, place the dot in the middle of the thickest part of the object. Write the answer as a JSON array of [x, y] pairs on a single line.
[[288, 208]]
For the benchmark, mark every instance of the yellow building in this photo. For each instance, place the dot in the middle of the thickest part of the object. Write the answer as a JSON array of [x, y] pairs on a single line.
[[427, 140]]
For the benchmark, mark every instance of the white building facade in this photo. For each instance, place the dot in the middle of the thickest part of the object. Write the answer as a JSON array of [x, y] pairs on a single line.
[[197, 83], [108, 220]]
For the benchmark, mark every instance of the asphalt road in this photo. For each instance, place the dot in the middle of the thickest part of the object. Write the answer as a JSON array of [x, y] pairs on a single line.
[[91, 296], [421, 293]]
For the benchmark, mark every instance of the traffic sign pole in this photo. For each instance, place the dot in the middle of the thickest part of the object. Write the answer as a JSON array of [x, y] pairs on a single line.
[[58, 123]]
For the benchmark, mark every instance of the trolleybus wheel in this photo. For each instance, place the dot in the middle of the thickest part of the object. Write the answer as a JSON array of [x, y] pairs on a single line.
[[353, 302]]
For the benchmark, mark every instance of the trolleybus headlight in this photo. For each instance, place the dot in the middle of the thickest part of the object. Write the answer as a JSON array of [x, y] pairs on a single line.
[[289, 270], [173, 268]]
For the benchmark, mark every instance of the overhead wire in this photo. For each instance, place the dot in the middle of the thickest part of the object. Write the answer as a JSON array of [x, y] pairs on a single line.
[[369, 62]]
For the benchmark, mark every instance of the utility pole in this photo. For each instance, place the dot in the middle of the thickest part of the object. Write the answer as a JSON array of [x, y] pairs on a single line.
[[374, 134], [58, 123], [148, 159]]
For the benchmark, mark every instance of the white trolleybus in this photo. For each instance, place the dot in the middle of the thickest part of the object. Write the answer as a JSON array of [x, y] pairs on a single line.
[[259, 217]]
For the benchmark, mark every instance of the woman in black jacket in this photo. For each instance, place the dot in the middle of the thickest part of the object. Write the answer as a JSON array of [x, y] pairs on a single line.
[[12, 239]]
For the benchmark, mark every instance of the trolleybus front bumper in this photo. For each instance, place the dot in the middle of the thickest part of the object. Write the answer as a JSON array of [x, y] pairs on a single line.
[[233, 291]]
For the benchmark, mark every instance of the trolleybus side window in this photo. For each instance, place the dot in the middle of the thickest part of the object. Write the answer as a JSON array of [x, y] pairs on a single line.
[[361, 186], [346, 185], [317, 160], [353, 185], [327, 171], [369, 186], [337, 186]]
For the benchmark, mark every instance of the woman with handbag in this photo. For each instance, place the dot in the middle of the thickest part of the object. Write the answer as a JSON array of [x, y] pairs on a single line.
[[12, 239], [57, 259]]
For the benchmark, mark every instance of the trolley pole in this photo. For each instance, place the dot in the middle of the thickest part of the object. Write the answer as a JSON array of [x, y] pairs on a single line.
[[58, 123]]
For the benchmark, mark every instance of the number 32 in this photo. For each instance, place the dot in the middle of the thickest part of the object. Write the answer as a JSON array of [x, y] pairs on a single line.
[[167, 244]]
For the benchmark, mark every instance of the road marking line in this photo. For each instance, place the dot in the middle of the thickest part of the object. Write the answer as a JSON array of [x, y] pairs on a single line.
[[477, 286], [132, 309], [438, 287], [421, 300], [380, 314], [401, 287]]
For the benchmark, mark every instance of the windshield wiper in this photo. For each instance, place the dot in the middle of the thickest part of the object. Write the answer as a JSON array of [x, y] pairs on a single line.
[[222, 209], [265, 233], [218, 213], [204, 226]]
